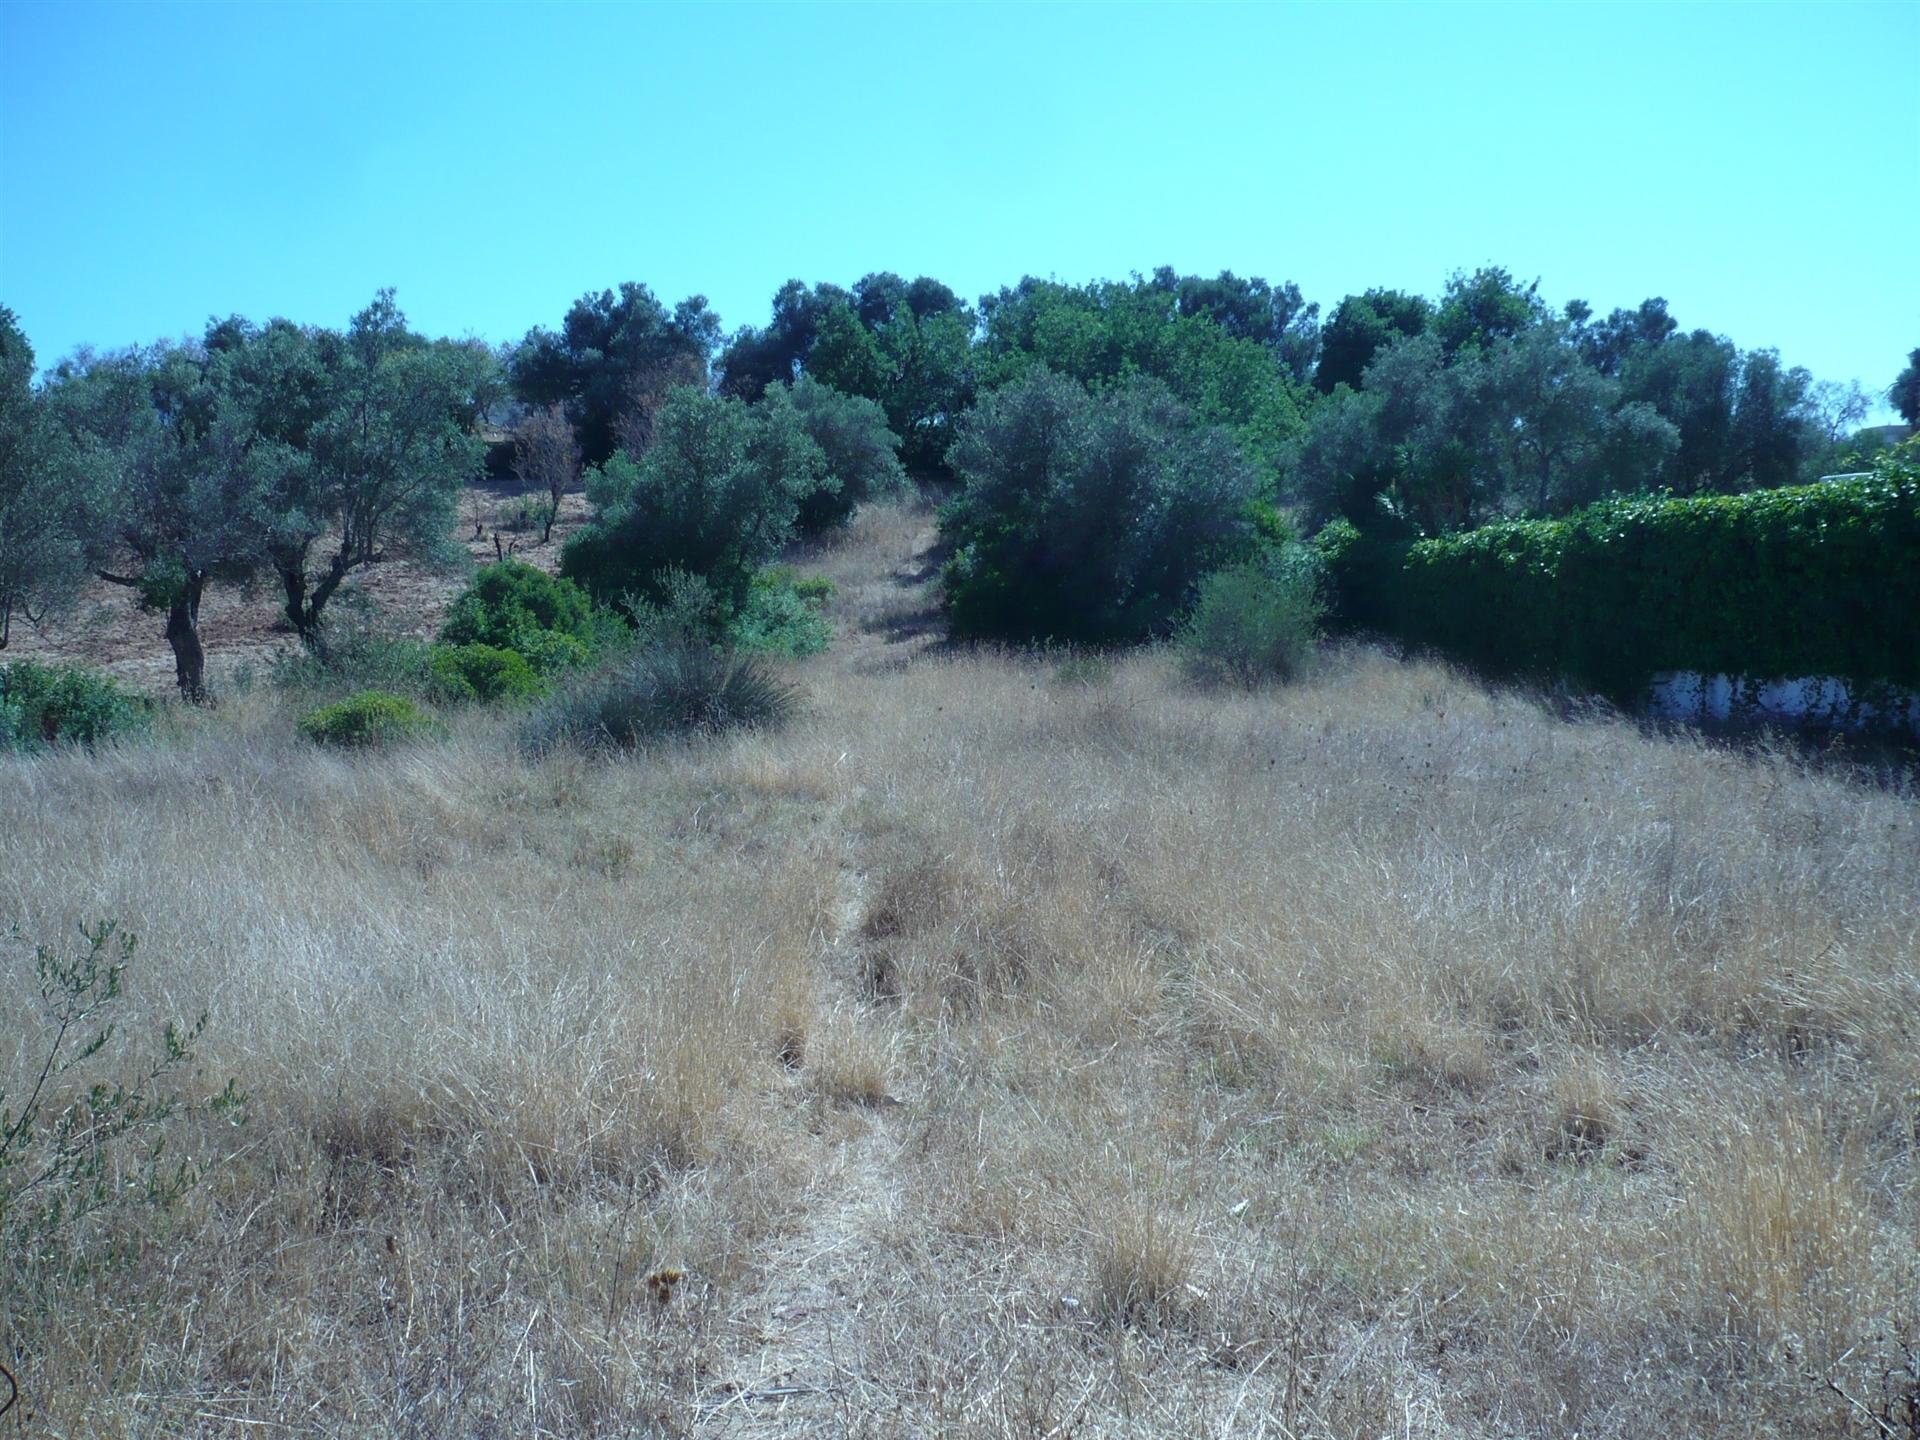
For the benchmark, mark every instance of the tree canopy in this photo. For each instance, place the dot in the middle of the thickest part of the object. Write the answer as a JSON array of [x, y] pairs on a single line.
[[1089, 516], [48, 492], [715, 496], [611, 352]]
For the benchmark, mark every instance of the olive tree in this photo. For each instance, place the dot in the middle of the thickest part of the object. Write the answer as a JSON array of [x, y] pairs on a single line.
[[1089, 517], [186, 495], [715, 496], [383, 464], [48, 487]]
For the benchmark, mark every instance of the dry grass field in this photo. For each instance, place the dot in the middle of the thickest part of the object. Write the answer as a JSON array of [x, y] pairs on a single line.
[[1010, 1047]]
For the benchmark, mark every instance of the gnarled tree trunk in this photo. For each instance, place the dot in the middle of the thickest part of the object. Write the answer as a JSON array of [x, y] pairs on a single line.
[[183, 634], [304, 602]]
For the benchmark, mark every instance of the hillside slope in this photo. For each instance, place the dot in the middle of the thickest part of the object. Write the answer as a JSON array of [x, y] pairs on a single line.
[[1012, 1046]]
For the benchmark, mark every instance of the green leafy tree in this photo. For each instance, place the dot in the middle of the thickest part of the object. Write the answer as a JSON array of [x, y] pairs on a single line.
[[608, 347], [188, 484], [861, 453], [1483, 307], [1567, 438], [1362, 326], [1521, 425], [1775, 438], [1692, 380], [1276, 316], [846, 356], [49, 489], [1089, 517], [929, 381], [776, 353], [906, 346], [381, 470], [1102, 334], [1744, 420], [1607, 344], [1342, 463], [715, 496], [1904, 394], [877, 297]]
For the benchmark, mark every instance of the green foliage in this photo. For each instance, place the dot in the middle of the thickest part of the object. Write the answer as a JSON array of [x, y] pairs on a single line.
[[1811, 580], [678, 687], [716, 495], [359, 651], [1256, 621], [1362, 326], [1105, 333], [862, 454], [1484, 307], [484, 673], [514, 606], [1089, 517], [1513, 423], [610, 349], [82, 1140], [1904, 393], [378, 468], [782, 616], [907, 346], [56, 704], [48, 486], [371, 718]]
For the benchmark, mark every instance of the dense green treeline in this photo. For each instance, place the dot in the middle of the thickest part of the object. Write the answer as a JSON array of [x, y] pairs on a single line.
[[1105, 446]]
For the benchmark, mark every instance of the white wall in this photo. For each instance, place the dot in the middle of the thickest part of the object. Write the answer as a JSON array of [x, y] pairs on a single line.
[[1815, 700]]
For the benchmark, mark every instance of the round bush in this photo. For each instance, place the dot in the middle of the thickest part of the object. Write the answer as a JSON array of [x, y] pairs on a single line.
[[675, 689], [513, 606], [1256, 621], [484, 673], [54, 704], [373, 717]]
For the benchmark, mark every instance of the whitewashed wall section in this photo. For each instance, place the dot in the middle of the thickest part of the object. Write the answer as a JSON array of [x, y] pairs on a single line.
[[1824, 702]]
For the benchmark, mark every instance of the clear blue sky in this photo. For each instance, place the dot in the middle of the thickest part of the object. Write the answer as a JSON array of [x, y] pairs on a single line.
[[160, 164]]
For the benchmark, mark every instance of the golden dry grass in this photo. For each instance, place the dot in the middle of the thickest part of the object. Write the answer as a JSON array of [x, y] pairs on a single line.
[[1004, 1049]]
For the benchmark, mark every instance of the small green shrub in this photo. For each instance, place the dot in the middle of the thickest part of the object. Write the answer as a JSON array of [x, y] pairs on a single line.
[[56, 704], [686, 687], [373, 717], [513, 606], [782, 616], [814, 589], [1255, 622], [484, 673]]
